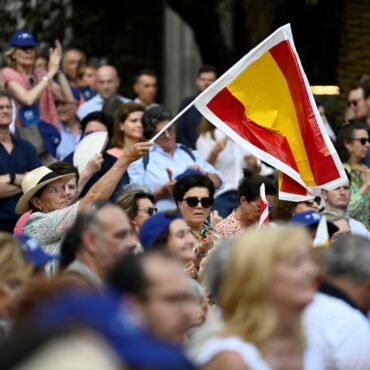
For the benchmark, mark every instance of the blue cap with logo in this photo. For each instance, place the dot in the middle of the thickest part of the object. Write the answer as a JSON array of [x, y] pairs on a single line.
[[34, 251], [311, 218], [21, 39]]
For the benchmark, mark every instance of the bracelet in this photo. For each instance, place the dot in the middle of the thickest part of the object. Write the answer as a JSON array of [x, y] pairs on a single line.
[[46, 78]]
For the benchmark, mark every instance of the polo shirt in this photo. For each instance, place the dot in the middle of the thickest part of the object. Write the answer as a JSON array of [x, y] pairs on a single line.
[[23, 158], [155, 174], [68, 142], [95, 104]]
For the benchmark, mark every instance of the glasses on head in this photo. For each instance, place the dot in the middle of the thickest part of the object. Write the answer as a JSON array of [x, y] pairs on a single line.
[[149, 210], [192, 202], [362, 140], [353, 102]]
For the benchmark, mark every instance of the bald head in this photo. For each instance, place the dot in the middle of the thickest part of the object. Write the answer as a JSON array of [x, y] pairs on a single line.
[[107, 81]]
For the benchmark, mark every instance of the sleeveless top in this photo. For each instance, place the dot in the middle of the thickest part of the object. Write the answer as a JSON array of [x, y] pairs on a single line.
[[247, 351], [45, 102]]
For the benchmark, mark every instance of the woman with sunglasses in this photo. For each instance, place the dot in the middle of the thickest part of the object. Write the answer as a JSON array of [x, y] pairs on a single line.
[[33, 90], [352, 146], [138, 205], [194, 198]]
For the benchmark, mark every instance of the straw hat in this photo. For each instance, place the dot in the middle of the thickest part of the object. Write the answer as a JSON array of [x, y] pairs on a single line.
[[33, 182]]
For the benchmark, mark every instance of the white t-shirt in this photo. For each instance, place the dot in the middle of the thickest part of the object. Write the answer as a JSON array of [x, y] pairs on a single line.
[[341, 331]]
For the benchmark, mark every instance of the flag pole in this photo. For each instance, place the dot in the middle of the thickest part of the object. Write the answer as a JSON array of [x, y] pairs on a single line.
[[178, 115]]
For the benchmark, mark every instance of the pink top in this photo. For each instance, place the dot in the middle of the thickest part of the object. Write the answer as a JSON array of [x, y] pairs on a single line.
[[46, 105], [18, 229], [115, 152], [229, 227]]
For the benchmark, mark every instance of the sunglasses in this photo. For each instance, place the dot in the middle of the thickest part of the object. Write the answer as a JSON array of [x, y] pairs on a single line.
[[353, 102], [192, 202], [149, 210], [362, 140]]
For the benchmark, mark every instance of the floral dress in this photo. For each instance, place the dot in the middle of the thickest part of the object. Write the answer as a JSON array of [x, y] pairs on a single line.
[[359, 204]]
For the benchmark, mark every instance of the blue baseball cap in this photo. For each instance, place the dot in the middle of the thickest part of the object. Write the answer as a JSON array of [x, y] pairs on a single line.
[[34, 251], [188, 172], [21, 39], [105, 313], [154, 226], [311, 218]]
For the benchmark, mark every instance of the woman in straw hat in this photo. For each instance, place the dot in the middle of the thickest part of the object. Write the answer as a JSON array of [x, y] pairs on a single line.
[[44, 194]]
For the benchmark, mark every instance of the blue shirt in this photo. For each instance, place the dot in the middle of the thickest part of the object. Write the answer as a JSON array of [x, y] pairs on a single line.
[[68, 142], [23, 158], [155, 174], [95, 104]]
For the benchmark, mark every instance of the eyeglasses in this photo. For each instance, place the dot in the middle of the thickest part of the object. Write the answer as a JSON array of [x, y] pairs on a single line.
[[353, 102], [149, 210], [192, 202], [362, 140]]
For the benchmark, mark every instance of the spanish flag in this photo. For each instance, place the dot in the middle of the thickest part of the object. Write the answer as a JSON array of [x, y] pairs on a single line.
[[265, 104]]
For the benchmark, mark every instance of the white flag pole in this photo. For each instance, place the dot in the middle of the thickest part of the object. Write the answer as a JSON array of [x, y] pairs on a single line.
[[164, 128]]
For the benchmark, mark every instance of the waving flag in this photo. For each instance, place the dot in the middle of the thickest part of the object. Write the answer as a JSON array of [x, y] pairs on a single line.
[[264, 103], [264, 208]]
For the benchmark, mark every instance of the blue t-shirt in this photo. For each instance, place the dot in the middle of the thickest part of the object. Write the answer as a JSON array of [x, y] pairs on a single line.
[[23, 158]]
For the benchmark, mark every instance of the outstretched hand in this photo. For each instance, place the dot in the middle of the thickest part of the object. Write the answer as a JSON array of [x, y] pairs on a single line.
[[55, 57], [136, 151]]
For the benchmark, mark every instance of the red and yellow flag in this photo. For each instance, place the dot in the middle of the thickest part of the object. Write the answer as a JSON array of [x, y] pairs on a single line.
[[265, 104]]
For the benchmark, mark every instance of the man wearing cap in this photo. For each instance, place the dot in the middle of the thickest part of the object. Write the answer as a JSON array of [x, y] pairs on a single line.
[[106, 99], [17, 157]]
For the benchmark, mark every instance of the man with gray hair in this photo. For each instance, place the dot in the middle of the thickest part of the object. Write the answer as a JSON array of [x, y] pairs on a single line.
[[100, 235], [336, 320]]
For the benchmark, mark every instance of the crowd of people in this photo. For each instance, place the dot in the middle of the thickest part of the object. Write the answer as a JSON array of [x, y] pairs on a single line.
[[149, 255]]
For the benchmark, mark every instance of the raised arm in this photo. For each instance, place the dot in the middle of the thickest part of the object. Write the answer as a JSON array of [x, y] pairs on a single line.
[[104, 187], [28, 97]]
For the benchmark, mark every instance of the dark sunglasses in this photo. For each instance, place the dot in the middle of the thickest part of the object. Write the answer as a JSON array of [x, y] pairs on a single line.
[[149, 210], [206, 202], [362, 140]]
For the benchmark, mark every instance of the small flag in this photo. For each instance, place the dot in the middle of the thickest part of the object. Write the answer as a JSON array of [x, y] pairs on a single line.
[[322, 233], [264, 208], [265, 104]]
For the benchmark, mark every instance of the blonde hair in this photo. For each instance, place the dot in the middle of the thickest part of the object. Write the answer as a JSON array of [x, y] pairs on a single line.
[[245, 291], [8, 56], [13, 262]]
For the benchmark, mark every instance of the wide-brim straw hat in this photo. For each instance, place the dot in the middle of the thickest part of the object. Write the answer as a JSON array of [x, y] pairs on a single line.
[[33, 182]]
